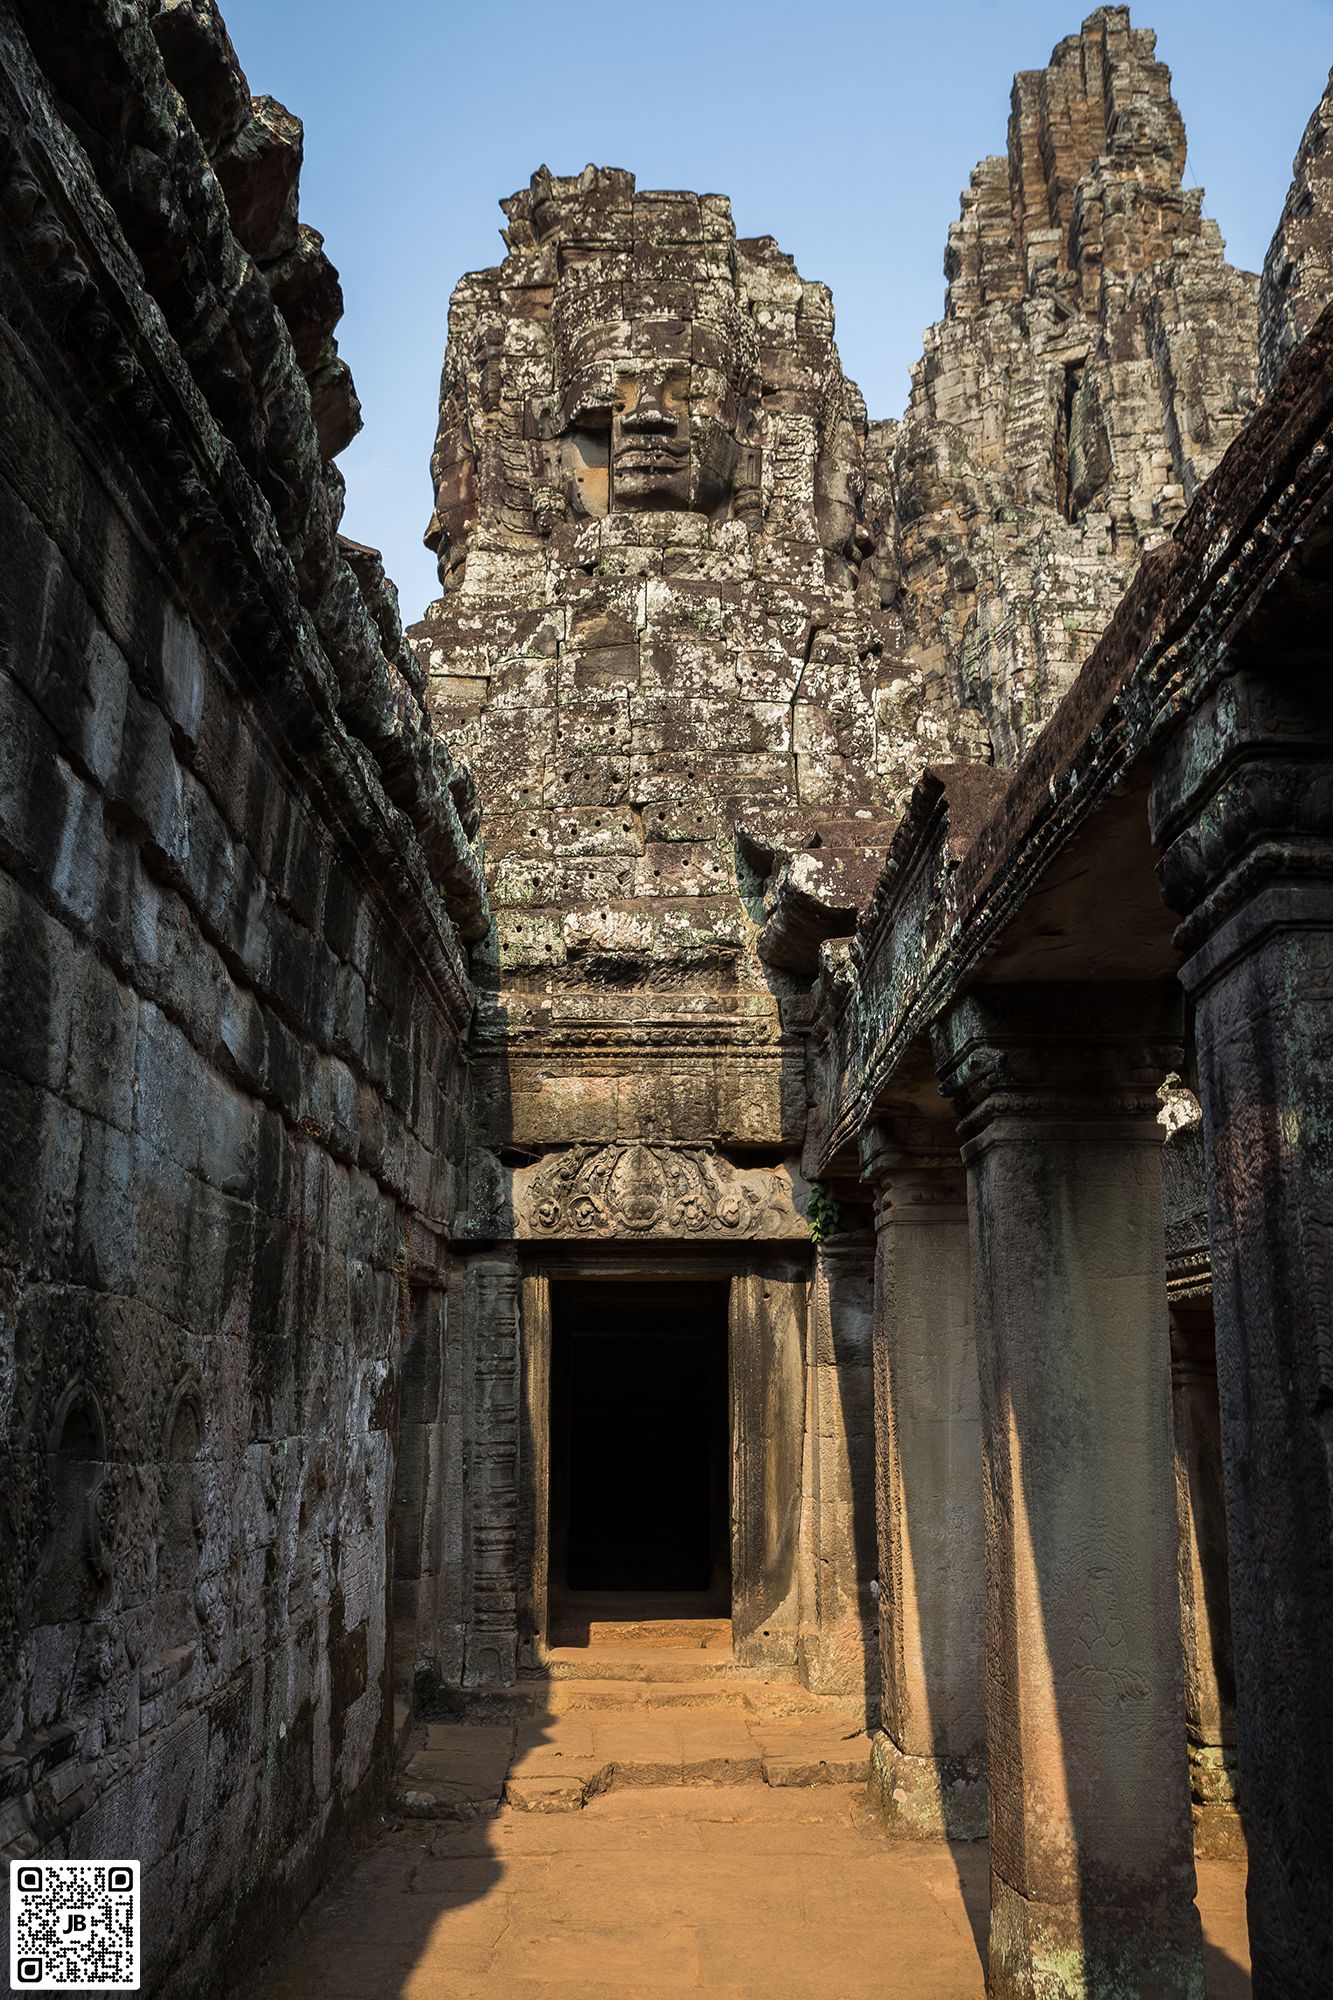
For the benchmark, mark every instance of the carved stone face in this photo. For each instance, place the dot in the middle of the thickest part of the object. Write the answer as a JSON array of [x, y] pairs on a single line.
[[657, 427], [650, 436]]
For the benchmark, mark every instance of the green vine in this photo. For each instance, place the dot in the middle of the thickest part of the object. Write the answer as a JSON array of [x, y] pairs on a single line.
[[822, 1213]]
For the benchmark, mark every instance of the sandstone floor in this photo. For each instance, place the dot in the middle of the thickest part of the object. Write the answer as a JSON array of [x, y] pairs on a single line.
[[737, 1892]]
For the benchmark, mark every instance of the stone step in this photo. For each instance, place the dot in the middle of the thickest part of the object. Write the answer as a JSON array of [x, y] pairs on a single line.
[[558, 1763], [614, 1663], [622, 1635], [455, 1770], [535, 1696], [753, 1696], [633, 1683], [518, 1703]]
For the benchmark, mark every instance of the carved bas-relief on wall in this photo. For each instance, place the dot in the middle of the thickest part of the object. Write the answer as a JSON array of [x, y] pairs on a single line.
[[633, 1190]]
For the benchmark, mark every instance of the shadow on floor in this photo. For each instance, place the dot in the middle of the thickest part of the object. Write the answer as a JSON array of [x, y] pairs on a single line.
[[788, 1893], [973, 1866], [1224, 1978], [430, 1858]]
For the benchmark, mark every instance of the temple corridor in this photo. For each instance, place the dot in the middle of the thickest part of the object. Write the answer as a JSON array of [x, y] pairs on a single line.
[[666, 1230]]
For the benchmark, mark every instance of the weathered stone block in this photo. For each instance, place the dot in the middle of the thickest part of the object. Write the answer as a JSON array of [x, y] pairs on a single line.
[[37, 962]]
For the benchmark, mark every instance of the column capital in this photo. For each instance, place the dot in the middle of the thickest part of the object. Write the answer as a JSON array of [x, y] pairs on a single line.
[[921, 1143], [1063, 1056], [912, 1162], [1241, 806]]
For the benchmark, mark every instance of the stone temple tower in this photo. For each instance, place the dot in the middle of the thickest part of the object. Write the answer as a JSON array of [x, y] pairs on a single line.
[[665, 608], [667, 649], [702, 627]]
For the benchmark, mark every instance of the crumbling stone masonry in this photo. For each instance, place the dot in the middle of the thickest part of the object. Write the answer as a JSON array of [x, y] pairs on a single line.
[[1298, 270], [1096, 358]]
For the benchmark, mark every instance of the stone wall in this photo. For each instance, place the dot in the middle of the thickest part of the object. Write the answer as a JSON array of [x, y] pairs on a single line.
[[232, 882]]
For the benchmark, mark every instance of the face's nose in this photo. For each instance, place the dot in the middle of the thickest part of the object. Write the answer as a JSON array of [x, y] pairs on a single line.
[[648, 412]]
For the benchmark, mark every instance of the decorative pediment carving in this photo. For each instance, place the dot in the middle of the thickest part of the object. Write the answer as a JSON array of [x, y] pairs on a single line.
[[635, 1189]]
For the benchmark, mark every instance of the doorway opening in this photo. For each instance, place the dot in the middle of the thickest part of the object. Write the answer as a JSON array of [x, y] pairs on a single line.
[[640, 1528]]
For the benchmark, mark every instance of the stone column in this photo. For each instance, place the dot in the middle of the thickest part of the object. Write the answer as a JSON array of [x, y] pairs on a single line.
[[1205, 1601], [1242, 805], [929, 1756], [839, 1639], [534, 1479], [491, 1350], [1092, 1866], [766, 1336]]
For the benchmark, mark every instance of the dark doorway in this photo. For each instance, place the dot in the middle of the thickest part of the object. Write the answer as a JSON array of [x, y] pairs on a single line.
[[640, 1495]]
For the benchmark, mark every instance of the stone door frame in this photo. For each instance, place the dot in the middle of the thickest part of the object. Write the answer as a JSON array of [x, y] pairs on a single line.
[[768, 1294]]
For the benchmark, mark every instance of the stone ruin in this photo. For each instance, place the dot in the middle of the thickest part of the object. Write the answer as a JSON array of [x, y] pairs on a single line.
[[857, 889]]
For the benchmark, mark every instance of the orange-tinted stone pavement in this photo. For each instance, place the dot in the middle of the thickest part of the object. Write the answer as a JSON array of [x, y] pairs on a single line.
[[737, 1892]]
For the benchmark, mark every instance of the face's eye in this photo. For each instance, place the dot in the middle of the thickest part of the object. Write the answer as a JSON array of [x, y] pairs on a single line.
[[667, 390], [590, 411]]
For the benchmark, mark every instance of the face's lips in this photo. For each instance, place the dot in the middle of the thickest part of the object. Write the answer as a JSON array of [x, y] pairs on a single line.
[[650, 457]]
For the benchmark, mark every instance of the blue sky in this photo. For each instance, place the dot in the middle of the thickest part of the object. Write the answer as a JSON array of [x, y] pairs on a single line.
[[845, 131]]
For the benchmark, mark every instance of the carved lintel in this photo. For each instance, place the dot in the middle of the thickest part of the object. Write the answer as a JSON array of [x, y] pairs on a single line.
[[632, 1190]]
